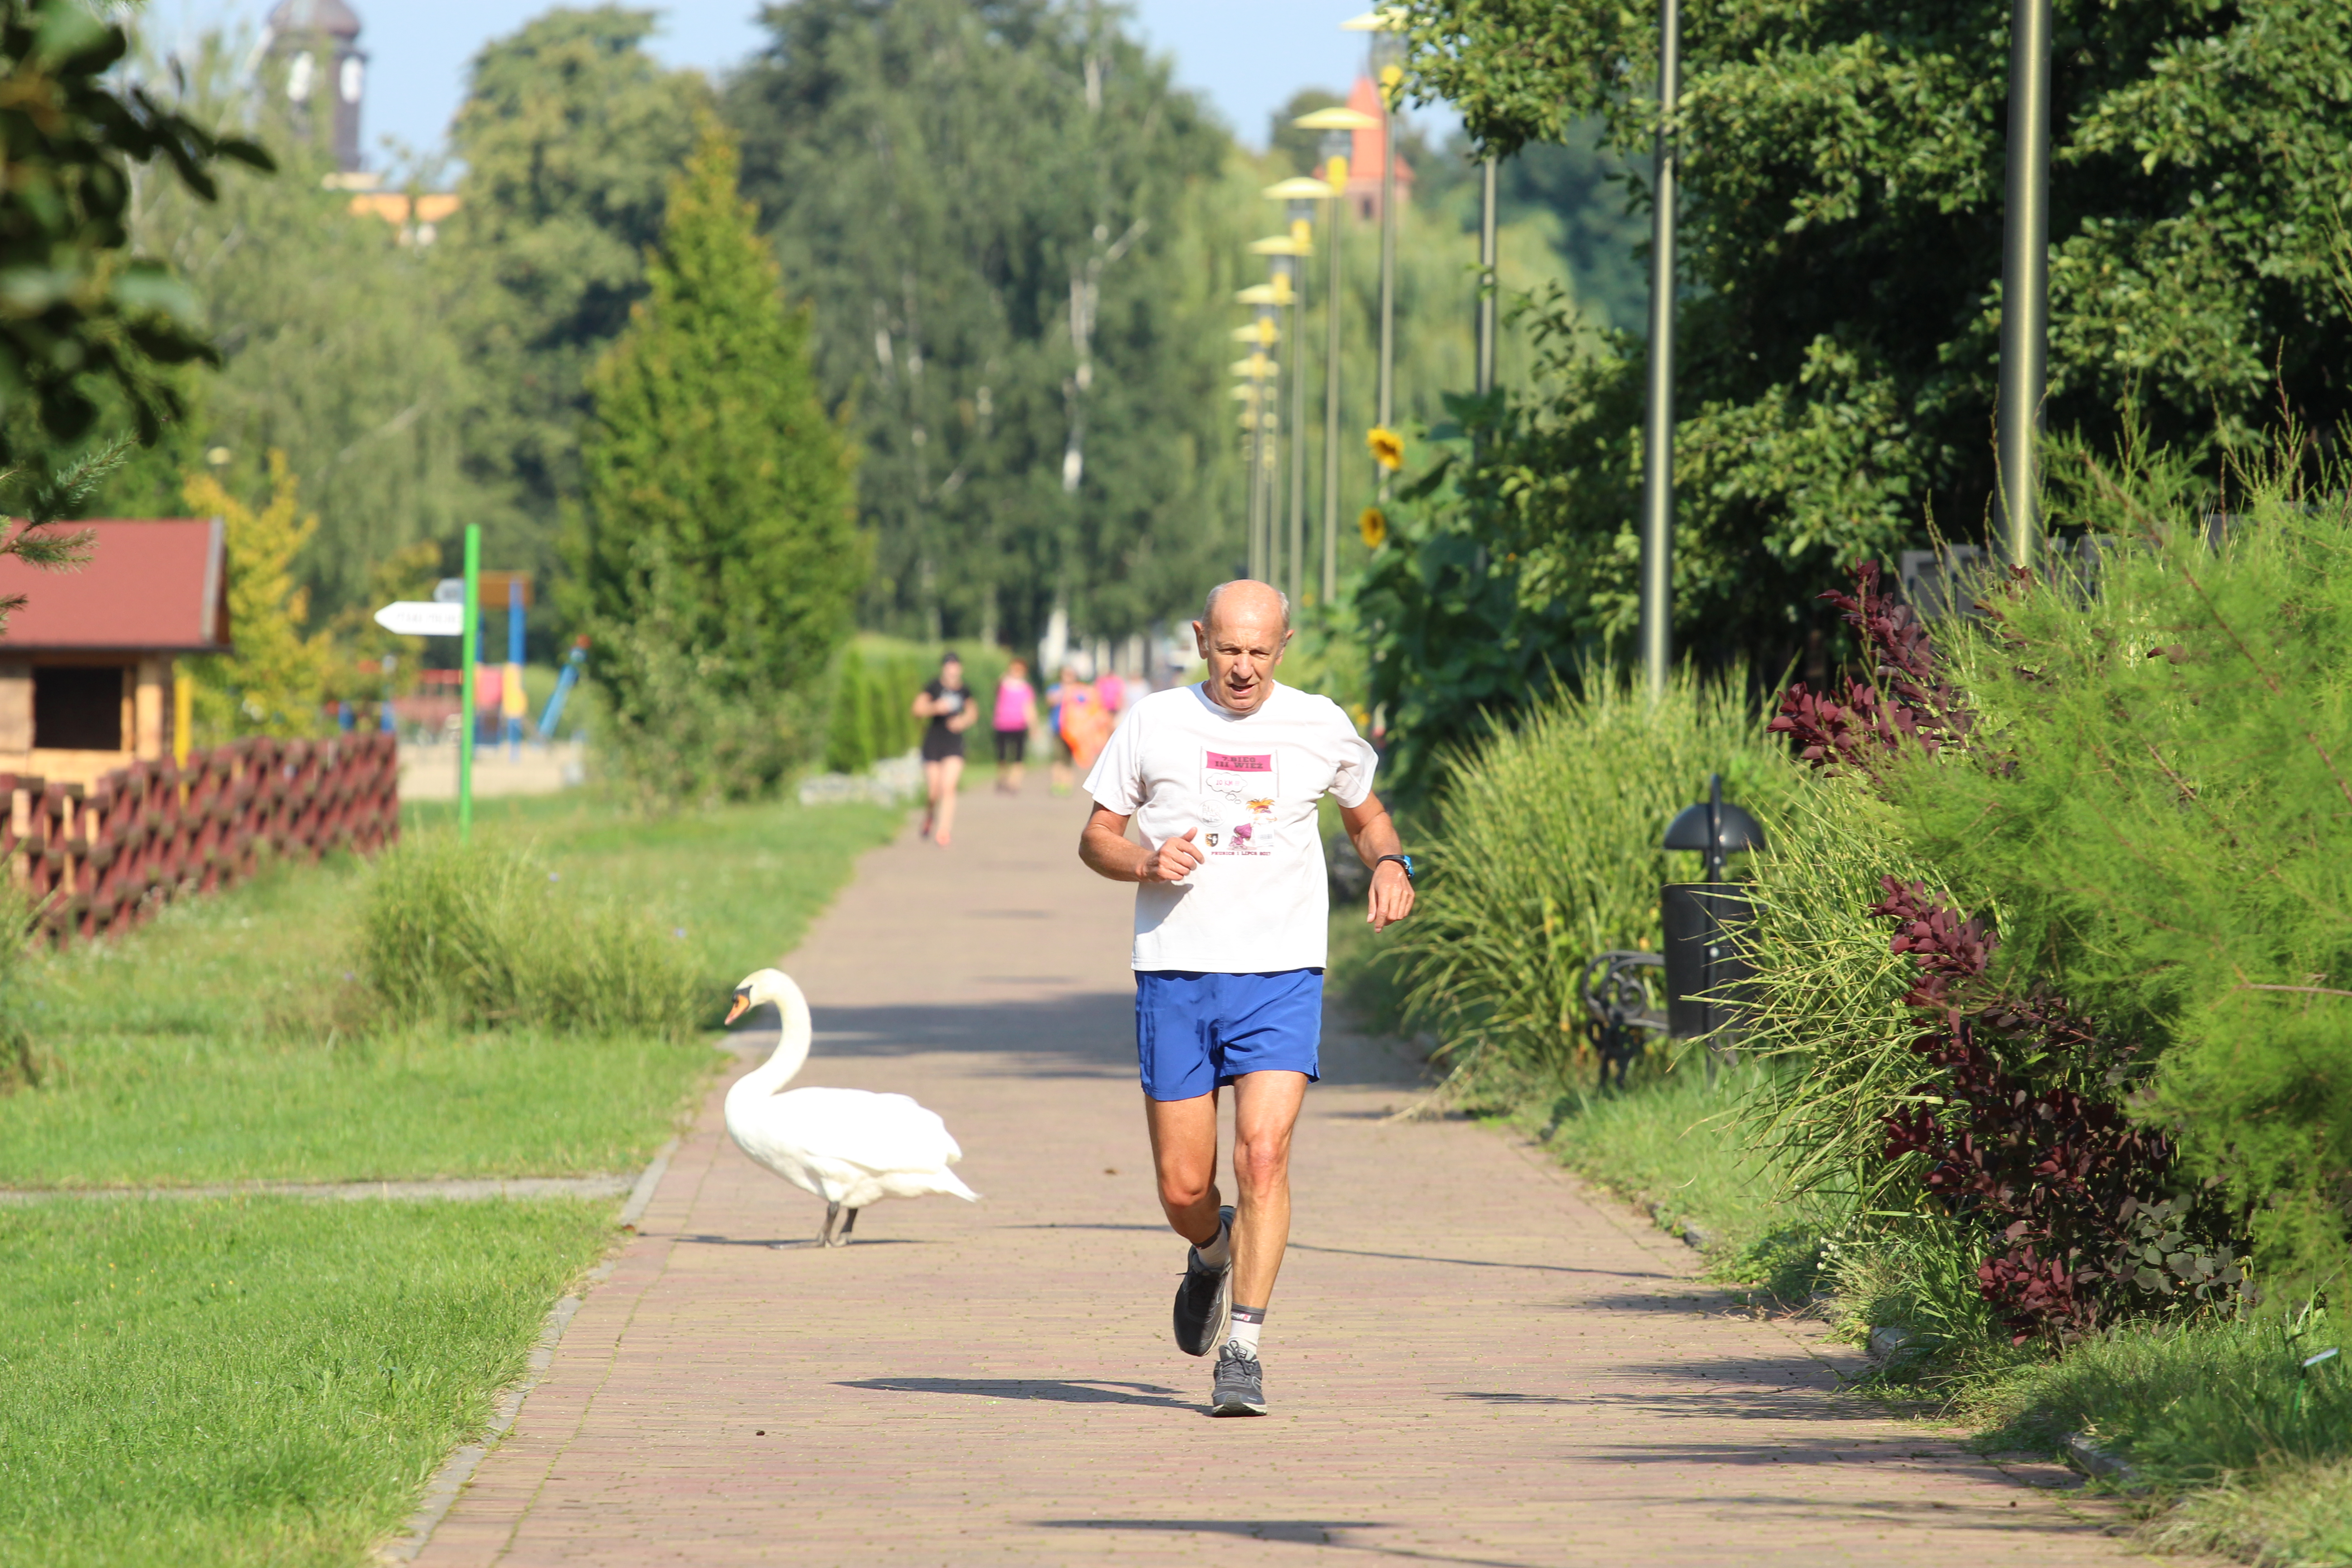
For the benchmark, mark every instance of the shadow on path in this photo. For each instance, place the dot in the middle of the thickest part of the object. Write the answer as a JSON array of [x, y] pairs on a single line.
[[1098, 1390], [1490, 1263], [803, 1242], [1300, 1532]]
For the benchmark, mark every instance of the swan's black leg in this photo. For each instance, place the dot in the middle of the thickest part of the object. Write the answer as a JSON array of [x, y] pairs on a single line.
[[849, 1224], [831, 1213]]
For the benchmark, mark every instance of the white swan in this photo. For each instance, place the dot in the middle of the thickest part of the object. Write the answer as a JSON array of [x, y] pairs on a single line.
[[849, 1146]]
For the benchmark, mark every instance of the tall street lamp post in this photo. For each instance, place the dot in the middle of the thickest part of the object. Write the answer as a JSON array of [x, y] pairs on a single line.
[[1265, 416], [1334, 170], [1389, 72], [1487, 264], [1289, 252], [1658, 432], [1338, 126], [2024, 278], [1260, 337], [1302, 241]]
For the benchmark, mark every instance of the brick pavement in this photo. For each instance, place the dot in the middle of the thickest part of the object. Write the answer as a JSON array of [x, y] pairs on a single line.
[[1471, 1359]]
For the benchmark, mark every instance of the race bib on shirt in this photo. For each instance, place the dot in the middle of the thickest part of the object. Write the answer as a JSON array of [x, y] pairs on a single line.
[[1237, 796]]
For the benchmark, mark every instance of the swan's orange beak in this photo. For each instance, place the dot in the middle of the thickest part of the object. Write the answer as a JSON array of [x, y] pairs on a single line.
[[736, 1011]]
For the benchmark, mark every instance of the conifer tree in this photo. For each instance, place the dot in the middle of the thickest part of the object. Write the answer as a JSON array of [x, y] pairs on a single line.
[[275, 683], [719, 558]]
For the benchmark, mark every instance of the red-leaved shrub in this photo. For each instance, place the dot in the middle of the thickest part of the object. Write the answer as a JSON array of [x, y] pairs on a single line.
[[2018, 1128]]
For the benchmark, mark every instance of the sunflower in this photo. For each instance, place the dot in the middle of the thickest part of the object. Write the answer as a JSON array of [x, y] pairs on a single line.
[[1387, 447], [1374, 526]]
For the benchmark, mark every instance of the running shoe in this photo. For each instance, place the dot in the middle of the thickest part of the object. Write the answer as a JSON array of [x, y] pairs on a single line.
[[1204, 1298], [1240, 1385]]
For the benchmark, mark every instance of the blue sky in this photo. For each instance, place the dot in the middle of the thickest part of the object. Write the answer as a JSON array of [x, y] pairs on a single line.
[[1246, 56]]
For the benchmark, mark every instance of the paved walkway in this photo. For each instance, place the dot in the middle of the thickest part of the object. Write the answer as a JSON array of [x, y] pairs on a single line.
[[1471, 1360]]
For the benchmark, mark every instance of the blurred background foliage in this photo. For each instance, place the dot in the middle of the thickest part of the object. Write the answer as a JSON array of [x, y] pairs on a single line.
[[1015, 239]]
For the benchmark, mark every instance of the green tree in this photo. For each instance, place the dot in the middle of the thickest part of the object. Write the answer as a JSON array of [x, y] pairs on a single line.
[[1021, 255], [1841, 263], [335, 349], [275, 682], [86, 322], [570, 133], [720, 558]]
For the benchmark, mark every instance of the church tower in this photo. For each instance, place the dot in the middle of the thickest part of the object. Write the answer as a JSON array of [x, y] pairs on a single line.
[[315, 43]]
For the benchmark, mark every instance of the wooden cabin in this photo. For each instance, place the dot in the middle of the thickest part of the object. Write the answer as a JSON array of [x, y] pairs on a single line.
[[86, 662]]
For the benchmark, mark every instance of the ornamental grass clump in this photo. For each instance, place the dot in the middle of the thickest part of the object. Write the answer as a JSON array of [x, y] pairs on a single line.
[[1547, 854], [483, 935]]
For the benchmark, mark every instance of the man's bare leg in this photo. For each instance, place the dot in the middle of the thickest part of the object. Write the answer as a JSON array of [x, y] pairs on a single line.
[[1266, 1110], [1184, 1155]]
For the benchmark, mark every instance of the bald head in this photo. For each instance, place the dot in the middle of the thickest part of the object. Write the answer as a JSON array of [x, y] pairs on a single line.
[[1242, 632], [1246, 595]]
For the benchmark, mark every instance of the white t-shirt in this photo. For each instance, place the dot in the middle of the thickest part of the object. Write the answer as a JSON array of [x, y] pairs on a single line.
[[1249, 783]]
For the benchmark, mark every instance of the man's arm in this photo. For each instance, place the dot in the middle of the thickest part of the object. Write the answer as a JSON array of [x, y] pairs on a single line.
[[1104, 848], [1374, 835]]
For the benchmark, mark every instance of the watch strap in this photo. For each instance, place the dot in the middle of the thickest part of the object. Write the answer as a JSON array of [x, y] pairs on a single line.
[[1403, 860]]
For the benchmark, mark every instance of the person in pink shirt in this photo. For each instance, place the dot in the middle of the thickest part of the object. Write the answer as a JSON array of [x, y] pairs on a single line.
[[1113, 692], [1017, 715]]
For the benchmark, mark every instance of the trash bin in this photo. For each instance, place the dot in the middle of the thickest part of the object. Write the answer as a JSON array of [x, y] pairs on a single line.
[[1702, 920]]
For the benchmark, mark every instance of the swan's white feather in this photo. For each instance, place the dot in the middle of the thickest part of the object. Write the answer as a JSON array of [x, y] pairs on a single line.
[[849, 1146]]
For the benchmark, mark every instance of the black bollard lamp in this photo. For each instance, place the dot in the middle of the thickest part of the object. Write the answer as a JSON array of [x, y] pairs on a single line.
[[1701, 919]]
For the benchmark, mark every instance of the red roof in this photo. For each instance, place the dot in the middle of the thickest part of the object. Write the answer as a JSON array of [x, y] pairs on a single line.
[[151, 586]]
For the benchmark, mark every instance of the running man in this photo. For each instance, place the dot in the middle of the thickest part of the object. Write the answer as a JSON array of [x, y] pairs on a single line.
[[1222, 779]]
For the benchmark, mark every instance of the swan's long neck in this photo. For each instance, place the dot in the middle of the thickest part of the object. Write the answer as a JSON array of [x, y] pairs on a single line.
[[791, 1048]]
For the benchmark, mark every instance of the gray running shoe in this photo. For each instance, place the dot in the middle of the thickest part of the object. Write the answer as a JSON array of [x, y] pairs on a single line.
[[1240, 1385], [1204, 1297]]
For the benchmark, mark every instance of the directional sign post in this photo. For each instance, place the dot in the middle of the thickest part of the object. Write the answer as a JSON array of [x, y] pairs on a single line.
[[452, 612], [422, 619], [469, 638]]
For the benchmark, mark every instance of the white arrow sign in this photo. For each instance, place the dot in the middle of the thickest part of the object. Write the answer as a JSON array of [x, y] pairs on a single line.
[[417, 618]]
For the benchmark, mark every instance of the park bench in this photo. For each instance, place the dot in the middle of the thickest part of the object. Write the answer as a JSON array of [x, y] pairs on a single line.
[[1617, 998]]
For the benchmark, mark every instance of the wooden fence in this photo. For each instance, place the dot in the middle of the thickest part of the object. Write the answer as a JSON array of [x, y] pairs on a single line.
[[106, 858]]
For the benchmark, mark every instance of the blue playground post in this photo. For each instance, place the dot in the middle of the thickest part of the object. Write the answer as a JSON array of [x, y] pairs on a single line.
[[572, 664], [511, 700]]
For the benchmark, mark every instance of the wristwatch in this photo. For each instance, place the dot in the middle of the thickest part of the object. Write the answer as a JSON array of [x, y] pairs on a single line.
[[1403, 860]]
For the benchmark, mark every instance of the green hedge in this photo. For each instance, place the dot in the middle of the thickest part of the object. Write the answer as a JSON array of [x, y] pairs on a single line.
[[874, 698]]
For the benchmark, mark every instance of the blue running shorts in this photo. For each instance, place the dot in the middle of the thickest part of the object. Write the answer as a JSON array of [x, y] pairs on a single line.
[[1196, 1032]]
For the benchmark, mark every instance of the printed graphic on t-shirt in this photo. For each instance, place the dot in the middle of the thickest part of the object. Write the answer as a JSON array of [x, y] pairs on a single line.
[[1237, 795]]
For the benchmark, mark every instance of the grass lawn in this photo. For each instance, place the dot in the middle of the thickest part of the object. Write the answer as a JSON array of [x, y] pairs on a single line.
[[219, 1042], [742, 883], [263, 1382], [272, 1381]]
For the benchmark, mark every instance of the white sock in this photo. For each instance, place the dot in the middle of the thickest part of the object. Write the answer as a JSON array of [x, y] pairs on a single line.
[[1219, 1252], [1243, 1335]]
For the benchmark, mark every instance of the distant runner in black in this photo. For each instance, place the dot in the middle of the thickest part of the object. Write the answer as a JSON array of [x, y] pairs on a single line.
[[950, 710]]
